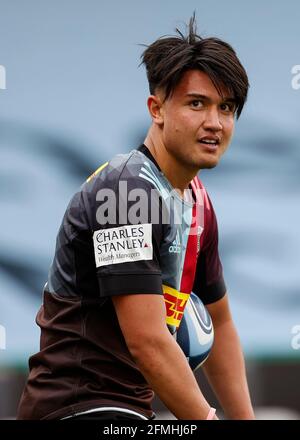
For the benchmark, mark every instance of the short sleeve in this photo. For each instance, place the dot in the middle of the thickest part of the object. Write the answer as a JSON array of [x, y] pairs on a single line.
[[126, 249], [209, 282]]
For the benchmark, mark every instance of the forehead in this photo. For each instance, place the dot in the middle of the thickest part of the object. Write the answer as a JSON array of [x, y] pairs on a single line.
[[198, 82]]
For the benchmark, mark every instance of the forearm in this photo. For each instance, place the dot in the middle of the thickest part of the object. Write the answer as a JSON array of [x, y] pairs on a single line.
[[225, 370], [167, 371]]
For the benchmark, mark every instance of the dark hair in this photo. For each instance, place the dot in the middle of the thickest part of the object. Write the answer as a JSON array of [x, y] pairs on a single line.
[[168, 58]]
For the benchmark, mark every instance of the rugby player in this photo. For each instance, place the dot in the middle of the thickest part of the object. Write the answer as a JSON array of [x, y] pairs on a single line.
[[124, 266]]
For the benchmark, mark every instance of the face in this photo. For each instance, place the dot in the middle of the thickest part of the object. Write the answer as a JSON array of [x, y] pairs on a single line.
[[196, 122]]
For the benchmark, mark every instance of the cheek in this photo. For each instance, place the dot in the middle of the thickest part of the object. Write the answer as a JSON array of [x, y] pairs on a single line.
[[180, 122], [173, 125], [228, 128]]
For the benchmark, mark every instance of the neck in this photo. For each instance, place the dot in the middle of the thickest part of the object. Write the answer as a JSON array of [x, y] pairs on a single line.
[[178, 175]]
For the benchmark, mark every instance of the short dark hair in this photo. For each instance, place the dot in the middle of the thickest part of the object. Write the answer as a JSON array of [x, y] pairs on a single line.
[[169, 57]]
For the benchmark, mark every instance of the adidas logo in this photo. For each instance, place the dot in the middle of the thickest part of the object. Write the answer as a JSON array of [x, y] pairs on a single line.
[[175, 247]]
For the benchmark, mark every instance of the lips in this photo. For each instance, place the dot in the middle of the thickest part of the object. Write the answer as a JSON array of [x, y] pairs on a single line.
[[210, 142]]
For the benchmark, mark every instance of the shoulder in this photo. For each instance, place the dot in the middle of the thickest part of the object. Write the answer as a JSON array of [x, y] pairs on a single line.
[[125, 185], [134, 168]]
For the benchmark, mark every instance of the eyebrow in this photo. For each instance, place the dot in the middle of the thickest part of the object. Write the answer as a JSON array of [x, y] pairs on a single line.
[[206, 98]]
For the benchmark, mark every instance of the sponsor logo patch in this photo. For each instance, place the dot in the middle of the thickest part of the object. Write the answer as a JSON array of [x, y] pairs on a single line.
[[175, 302], [123, 244]]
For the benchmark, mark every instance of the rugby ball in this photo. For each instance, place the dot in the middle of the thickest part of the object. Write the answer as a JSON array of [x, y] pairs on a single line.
[[195, 334]]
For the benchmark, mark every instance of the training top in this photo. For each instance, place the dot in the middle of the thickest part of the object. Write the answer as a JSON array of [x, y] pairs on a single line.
[[126, 231]]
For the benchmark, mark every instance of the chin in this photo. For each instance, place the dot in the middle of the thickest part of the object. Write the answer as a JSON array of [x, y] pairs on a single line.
[[207, 164], [206, 161], [203, 163]]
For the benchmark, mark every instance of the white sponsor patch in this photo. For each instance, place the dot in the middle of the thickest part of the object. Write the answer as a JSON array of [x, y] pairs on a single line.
[[123, 244]]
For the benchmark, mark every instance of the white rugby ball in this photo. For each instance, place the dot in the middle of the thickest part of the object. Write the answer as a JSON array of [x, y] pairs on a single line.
[[195, 334]]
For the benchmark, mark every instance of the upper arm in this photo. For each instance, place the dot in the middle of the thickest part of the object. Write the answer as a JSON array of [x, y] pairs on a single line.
[[127, 257], [219, 311], [127, 251], [142, 318]]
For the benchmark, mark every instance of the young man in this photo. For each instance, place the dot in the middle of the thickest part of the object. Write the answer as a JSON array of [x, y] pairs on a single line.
[[124, 267]]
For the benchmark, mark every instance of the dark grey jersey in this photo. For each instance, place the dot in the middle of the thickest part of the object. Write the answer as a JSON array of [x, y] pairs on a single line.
[[126, 231]]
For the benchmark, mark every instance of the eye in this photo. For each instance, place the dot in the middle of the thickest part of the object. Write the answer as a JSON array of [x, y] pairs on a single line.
[[228, 107], [196, 103]]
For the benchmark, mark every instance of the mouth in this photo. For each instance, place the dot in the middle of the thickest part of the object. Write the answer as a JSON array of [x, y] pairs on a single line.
[[210, 143]]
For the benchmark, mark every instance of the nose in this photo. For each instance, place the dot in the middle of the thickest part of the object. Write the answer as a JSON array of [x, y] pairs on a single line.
[[212, 120]]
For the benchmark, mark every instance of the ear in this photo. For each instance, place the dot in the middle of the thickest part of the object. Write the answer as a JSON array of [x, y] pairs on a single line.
[[155, 108]]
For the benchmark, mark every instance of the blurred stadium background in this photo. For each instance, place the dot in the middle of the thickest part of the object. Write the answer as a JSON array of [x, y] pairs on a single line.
[[75, 96]]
